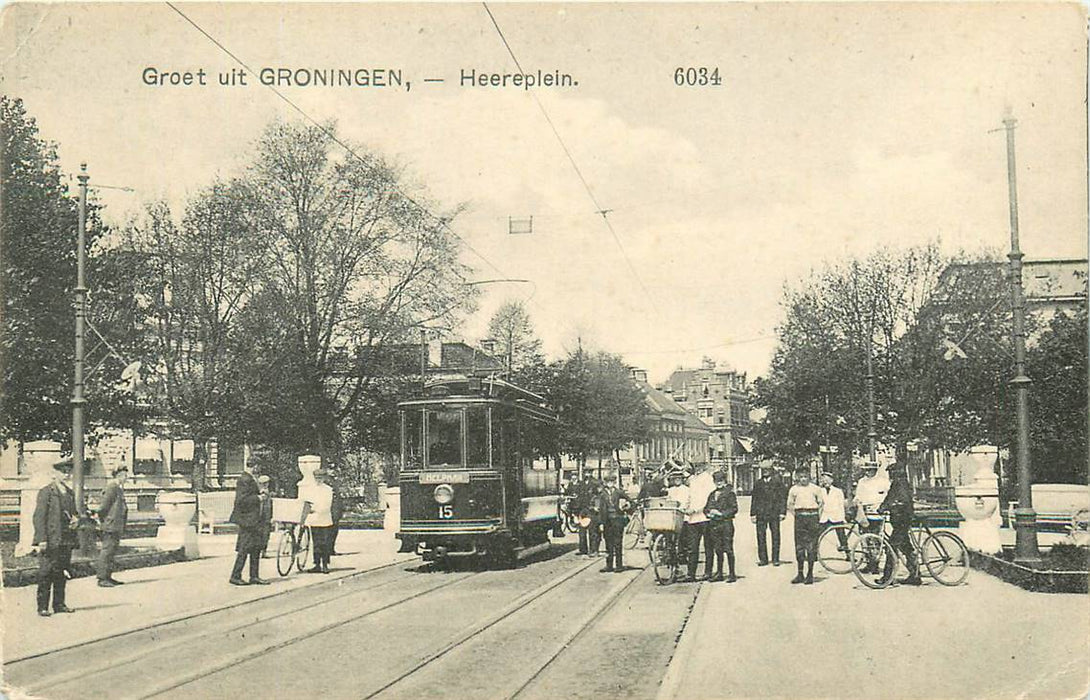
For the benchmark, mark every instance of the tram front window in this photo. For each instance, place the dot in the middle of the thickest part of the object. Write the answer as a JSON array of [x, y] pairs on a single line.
[[444, 438]]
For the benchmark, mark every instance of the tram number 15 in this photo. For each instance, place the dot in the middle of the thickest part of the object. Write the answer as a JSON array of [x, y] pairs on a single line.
[[446, 511]]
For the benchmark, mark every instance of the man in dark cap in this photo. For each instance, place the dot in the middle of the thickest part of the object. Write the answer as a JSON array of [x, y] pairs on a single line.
[[112, 514], [613, 506], [898, 503], [721, 508], [55, 523]]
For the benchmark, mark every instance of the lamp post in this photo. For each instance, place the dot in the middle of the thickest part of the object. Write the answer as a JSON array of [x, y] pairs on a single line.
[[78, 400], [1025, 519]]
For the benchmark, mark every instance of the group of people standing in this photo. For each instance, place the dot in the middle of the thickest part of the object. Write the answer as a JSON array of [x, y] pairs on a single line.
[[252, 513], [709, 505], [56, 527], [602, 508]]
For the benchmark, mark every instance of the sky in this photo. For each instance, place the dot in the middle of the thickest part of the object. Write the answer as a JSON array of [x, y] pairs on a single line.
[[836, 129]]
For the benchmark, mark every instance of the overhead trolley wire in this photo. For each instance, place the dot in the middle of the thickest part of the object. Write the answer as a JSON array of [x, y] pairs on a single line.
[[442, 221], [571, 159]]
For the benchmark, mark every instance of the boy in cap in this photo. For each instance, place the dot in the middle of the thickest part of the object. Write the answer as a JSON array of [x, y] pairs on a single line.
[[721, 508], [55, 523], [805, 501], [113, 512], [833, 512]]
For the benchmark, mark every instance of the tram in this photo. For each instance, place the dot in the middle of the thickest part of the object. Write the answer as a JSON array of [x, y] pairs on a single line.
[[471, 485]]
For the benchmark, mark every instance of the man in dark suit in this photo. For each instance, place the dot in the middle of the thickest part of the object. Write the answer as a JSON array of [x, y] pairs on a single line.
[[898, 503], [613, 507], [55, 523], [721, 508], [247, 515], [112, 514], [767, 508]]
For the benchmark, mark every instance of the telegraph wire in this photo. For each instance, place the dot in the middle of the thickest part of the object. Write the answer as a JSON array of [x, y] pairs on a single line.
[[598, 209], [321, 127]]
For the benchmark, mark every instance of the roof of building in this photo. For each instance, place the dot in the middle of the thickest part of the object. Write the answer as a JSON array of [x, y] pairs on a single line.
[[659, 403]]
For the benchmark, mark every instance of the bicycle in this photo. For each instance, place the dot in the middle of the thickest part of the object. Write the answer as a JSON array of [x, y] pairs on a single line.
[[293, 547], [944, 556], [569, 519], [635, 530], [663, 520], [836, 558]]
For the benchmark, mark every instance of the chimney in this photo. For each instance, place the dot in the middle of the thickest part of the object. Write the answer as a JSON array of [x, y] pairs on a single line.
[[435, 353], [708, 363], [640, 375]]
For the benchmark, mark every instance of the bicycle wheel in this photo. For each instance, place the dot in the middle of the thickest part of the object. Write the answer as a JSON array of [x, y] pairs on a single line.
[[663, 558], [836, 558], [946, 558], [303, 550], [633, 532], [285, 552], [571, 523], [871, 556]]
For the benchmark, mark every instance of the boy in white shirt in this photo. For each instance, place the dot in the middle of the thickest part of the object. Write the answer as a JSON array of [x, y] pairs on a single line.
[[805, 501]]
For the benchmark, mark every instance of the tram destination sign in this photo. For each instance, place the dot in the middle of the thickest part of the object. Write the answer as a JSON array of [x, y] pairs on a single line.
[[444, 478]]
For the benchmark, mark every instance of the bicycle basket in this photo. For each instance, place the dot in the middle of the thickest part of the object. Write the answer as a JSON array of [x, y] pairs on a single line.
[[663, 519]]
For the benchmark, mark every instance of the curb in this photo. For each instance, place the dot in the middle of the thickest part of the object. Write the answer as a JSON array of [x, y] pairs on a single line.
[[671, 682], [28, 575], [1026, 578]]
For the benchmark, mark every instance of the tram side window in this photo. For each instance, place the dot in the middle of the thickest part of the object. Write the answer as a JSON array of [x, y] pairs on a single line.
[[504, 431], [413, 455], [477, 437], [445, 438]]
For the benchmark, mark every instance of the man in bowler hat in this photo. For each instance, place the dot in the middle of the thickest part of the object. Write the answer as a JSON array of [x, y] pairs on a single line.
[[55, 523], [247, 515]]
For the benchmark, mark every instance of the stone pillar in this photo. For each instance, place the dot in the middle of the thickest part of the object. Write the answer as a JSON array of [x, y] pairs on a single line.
[[177, 531]]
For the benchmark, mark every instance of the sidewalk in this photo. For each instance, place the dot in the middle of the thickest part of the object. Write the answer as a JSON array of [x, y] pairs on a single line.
[[764, 637], [156, 594]]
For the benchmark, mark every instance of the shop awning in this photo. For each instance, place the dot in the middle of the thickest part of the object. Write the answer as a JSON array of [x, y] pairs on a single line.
[[745, 443], [183, 450]]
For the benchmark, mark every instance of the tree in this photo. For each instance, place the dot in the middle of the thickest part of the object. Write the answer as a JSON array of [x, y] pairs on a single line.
[[815, 392], [38, 221], [601, 409], [1057, 363], [518, 346], [278, 286]]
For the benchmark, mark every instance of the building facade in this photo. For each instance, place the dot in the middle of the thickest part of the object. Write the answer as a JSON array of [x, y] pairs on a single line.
[[672, 433], [720, 399]]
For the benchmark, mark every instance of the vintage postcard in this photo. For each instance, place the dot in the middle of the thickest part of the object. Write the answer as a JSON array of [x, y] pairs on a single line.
[[585, 350]]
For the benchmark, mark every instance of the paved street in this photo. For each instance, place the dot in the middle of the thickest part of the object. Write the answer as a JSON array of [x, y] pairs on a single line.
[[554, 627]]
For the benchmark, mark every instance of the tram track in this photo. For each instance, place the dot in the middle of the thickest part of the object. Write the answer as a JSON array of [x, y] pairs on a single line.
[[44, 682], [527, 606]]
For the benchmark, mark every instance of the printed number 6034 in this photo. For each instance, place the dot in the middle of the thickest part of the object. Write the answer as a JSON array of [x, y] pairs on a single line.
[[702, 76]]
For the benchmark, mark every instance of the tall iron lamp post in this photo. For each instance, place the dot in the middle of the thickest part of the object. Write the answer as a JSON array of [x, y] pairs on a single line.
[[1025, 519]]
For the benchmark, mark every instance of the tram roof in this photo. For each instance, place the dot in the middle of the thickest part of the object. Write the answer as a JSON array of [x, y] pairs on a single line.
[[480, 388]]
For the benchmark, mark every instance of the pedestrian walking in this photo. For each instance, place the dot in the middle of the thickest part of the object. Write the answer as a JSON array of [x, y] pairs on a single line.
[[320, 520], [113, 513], [832, 513], [701, 486], [613, 505], [247, 515], [898, 502], [805, 501], [55, 523], [721, 508], [767, 509]]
